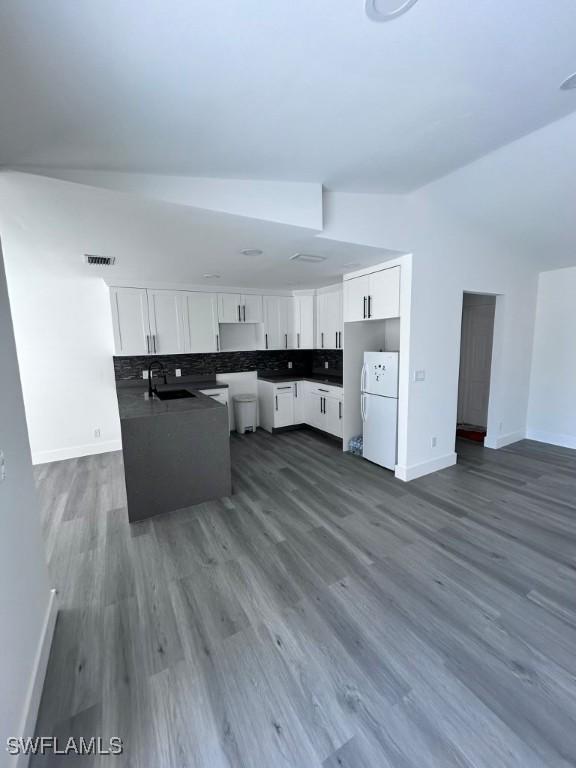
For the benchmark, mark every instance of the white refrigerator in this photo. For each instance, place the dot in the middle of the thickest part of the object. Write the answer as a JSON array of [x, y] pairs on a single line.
[[379, 407]]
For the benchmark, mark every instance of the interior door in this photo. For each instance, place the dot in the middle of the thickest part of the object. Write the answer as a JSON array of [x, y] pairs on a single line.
[[355, 298], [202, 322], [384, 294], [168, 322], [131, 321], [475, 364]]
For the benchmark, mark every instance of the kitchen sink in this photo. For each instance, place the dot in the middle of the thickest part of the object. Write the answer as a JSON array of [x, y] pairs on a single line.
[[173, 394]]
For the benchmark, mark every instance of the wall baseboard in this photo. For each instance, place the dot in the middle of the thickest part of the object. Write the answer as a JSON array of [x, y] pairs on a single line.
[[75, 451], [502, 440], [425, 468], [553, 438], [32, 703]]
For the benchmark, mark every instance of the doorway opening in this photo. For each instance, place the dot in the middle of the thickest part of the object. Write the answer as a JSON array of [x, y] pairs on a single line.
[[477, 340]]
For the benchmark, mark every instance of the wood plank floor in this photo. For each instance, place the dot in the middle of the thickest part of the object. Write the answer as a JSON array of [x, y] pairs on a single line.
[[324, 615]]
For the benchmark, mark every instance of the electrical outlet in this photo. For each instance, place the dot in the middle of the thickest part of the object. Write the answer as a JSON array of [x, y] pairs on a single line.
[[178, 372], [97, 432], [289, 364], [326, 364], [434, 442], [2, 467], [420, 375], [144, 374]]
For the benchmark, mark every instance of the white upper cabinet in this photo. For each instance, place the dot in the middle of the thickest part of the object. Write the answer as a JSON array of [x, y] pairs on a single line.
[[168, 322], [303, 334], [239, 308], [384, 296], [373, 297], [130, 321], [329, 319], [356, 294], [279, 322], [252, 310], [203, 322]]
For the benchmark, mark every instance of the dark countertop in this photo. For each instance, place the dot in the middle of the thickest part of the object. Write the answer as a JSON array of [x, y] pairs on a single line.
[[281, 377], [134, 402]]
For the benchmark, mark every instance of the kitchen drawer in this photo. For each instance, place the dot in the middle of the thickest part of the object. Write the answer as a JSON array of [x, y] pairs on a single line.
[[324, 390]]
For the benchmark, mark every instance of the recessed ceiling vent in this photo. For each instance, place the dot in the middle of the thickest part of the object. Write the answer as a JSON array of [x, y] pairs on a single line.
[[310, 258], [99, 261]]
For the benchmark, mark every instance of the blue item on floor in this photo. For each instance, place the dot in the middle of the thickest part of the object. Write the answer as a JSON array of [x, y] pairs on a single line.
[[355, 445]]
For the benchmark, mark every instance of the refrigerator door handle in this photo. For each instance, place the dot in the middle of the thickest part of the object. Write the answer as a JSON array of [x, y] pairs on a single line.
[[362, 411], [363, 379]]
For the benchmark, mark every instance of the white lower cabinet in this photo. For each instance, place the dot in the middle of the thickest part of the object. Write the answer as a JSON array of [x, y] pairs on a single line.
[[221, 396], [300, 402]]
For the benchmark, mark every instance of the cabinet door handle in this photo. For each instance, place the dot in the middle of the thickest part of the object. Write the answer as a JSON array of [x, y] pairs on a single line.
[[364, 307], [336, 342], [322, 334], [239, 316], [369, 306], [276, 402], [266, 335], [295, 389], [154, 342], [339, 339], [321, 411], [217, 343], [244, 311], [289, 387], [340, 409], [298, 337], [286, 340], [148, 343], [323, 390]]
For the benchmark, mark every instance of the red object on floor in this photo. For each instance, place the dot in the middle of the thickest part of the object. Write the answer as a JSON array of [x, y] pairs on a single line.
[[470, 433]]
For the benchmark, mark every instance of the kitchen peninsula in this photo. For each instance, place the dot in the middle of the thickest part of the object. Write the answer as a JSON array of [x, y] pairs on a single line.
[[176, 449]]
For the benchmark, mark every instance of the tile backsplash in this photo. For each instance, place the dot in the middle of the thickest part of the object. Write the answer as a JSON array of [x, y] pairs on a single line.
[[304, 361]]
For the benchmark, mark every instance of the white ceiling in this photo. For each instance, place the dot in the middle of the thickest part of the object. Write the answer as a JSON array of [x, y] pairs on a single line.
[[283, 90], [52, 224]]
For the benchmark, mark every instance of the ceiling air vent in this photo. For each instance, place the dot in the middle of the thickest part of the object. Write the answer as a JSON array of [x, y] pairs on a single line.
[[99, 261], [311, 258]]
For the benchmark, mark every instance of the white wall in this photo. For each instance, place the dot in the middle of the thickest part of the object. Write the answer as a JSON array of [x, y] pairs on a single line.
[[552, 406], [26, 602], [63, 329], [447, 259]]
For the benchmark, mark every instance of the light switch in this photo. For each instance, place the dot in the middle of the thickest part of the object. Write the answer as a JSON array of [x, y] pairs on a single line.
[[178, 372], [420, 375]]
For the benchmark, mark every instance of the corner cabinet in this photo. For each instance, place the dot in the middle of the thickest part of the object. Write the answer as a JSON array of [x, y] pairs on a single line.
[[289, 404], [375, 296]]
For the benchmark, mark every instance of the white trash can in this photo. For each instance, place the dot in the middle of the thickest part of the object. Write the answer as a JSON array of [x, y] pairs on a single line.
[[245, 413]]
